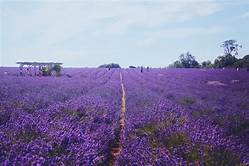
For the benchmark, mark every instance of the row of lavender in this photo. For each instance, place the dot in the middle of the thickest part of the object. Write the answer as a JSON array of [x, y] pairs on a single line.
[[218, 95], [173, 116], [56, 121], [177, 117]]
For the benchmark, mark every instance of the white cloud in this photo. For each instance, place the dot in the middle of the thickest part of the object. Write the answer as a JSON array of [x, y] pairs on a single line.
[[58, 20], [41, 26], [45, 23], [152, 13]]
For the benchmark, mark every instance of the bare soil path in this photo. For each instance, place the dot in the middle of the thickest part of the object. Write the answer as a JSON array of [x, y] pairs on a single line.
[[119, 132]]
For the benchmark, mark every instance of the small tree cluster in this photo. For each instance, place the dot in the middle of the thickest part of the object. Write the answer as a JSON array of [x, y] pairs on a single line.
[[229, 60], [225, 61], [57, 68], [186, 61], [111, 65], [231, 47], [206, 64], [242, 63]]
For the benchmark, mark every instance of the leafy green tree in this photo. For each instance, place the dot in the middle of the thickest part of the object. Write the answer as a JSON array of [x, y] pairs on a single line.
[[111, 65], [231, 47], [178, 64], [45, 71], [57, 68], [225, 61], [206, 64], [185, 61], [246, 62], [242, 63], [188, 61]]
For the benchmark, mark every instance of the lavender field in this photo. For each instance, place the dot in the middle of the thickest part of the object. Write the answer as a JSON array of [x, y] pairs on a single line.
[[125, 117]]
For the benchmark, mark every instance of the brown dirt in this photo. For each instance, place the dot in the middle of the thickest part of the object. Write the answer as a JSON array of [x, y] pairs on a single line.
[[216, 83], [117, 148]]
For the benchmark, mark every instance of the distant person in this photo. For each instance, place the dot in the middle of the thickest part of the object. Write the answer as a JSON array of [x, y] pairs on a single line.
[[29, 71], [21, 72], [141, 69]]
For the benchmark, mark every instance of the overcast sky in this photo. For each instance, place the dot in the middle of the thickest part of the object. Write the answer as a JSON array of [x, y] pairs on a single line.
[[128, 32]]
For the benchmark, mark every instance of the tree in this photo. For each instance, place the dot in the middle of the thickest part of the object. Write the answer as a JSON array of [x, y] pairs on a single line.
[[206, 64], [246, 62], [111, 65], [185, 61], [57, 68], [188, 61], [178, 64], [231, 47], [242, 63], [225, 61], [45, 71]]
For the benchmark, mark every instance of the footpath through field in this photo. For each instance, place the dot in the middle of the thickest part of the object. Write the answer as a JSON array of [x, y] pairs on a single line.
[[119, 133]]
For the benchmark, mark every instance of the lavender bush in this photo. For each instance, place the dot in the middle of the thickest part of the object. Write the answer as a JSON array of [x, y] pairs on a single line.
[[173, 117]]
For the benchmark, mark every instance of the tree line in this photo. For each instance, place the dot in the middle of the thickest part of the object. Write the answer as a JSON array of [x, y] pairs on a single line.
[[228, 60]]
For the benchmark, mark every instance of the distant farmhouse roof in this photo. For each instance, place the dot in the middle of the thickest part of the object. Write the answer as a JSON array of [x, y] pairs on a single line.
[[38, 63], [44, 68]]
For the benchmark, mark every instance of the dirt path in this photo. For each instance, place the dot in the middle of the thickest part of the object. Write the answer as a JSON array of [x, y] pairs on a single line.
[[119, 132]]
